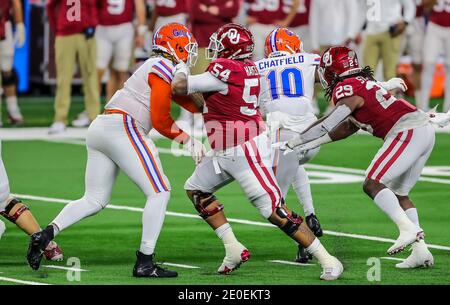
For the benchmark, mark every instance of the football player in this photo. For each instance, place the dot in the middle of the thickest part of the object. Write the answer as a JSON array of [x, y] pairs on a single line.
[[18, 213], [288, 75], [361, 103], [241, 150], [118, 140], [8, 42]]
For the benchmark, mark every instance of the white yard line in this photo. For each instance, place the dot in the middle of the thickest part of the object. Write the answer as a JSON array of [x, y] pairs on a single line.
[[12, 280], [393, 258], [65, 268], [289, 263], [233, 220], [180, 265]]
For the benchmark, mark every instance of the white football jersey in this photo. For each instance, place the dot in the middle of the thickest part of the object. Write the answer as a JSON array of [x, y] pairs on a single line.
[[287, 90], [287, 83], [134, 97]]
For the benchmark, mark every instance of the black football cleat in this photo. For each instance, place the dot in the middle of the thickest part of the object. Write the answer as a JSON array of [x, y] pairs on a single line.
[[38, 243], [314, 224], [302, 255], [145, 267]]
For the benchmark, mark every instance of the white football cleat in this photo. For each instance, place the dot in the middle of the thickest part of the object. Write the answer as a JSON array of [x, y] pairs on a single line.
[[236, 254], [405, 239], [2, 228], [332, 270], [57, 128], [419, 257], [81, 121]]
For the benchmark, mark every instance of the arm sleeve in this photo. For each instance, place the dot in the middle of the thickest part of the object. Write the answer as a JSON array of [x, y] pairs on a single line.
[[186, 102], [409, 10], [160, 110], [205, 82]]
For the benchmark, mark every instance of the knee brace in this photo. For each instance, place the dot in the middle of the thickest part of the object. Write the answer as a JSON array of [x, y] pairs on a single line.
[[293, 221], [202, 200], [13, 218], [9, 78]]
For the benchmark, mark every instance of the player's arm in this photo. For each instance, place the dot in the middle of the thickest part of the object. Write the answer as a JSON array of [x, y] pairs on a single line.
[[183, 83], [141, 15], [321, 128], [192, 103], [19, 35], [164, 123], [290, 16]]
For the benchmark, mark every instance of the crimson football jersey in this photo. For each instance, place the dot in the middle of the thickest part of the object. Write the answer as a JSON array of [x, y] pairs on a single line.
[[441, 13], [381, 110], [233, 117], [170, 7], [114, 12], [266, 11], [5, 7]]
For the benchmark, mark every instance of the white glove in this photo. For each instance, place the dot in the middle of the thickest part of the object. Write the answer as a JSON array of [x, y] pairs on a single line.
[[196, 148], [181, 67], [394, 83], [19, 36]]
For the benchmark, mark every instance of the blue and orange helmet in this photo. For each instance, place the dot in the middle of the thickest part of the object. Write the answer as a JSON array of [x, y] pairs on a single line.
[[282, 41]]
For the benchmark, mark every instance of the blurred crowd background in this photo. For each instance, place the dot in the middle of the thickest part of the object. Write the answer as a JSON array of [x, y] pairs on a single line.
[[95, 44]]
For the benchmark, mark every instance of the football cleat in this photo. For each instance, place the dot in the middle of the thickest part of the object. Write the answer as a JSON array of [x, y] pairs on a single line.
[[314, 224], [419, 257], [236, 254], [302, 255], [53, 252], [145, 267], [38, 243], [332, 270], [405, 239]]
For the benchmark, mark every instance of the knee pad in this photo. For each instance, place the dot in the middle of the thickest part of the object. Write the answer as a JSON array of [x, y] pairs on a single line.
[[293, 221], [9, 78], [202, 200], [13, 218]]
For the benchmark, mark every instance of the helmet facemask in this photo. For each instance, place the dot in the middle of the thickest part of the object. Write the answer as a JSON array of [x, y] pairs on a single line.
[[214, 48]]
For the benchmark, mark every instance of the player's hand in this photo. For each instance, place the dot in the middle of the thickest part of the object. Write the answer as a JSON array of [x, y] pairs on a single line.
[[19, 36], [282, 146], [214, 10], [398, 29], [251, 20], [196, 148], [395, 83], [181, 67]]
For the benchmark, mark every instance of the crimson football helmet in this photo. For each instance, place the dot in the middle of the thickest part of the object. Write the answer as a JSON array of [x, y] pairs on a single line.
[[337, 62], [232, 41]]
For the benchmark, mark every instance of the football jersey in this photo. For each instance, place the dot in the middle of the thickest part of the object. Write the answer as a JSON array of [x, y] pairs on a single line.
[[233, 117], [114, 12], [287, 83], [170, 7], [5, 8], [266, 11], [381, 110], [134, 97], [440, 14]]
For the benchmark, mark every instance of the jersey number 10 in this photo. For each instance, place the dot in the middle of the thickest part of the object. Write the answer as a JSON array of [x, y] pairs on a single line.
[[291, 83]]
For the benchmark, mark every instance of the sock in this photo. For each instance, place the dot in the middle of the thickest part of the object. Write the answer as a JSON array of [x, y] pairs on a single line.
[[388, 203], [413, 216], [319, 252], [427, 82], [303, 190], [75, 211], [152, 221], [11, 103], [225, 233]]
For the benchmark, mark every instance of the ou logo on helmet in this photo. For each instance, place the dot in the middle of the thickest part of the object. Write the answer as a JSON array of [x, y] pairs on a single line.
[[327, 59], [234, 36]]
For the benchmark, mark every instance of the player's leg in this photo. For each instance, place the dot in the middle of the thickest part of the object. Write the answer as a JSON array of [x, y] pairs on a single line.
[[431, 51], [136, 155], [371, 51], [9, 76], [398, 154], [200, 187], [416, 40], [101, 173], [253, 172], [104, 52], [390, 53]]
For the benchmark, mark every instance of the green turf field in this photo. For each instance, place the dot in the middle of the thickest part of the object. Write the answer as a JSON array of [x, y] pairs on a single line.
[[105, 243]]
